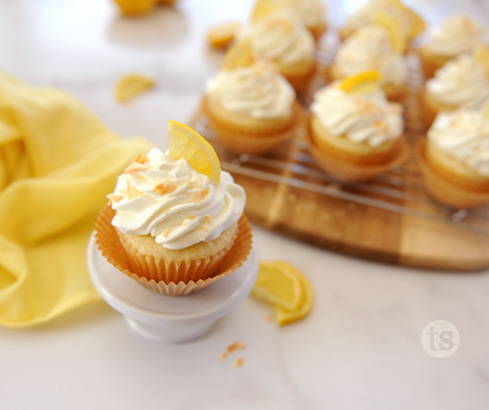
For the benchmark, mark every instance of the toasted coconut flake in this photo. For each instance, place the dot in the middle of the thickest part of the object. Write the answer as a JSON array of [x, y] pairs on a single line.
[[164, 188], [113, 198]]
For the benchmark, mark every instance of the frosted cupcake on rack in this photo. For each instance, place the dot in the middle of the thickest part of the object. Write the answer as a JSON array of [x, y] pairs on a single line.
[[410, 23], [283, 40], [455, 158], [249, 105], [354, 132], [175, 220], [456, 36], [373, 48], [462, 82], [311, 13]]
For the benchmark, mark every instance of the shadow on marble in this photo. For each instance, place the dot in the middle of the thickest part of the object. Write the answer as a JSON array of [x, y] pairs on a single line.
[[163, 28]]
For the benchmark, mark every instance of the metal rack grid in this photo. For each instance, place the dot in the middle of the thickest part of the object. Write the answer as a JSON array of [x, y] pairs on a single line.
[[400, 190]]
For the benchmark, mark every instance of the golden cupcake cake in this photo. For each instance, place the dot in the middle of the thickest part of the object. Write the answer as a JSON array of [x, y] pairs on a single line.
[[456, 36], [455, 158], [354, 132], [462, 82], [249, 105], [175, 220], [373, 48], [410, 23], [283, 40]]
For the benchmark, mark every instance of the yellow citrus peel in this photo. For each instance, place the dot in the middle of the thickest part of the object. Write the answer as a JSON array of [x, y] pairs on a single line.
[[361, 82], [222, 35], [184, 142], [286, 288]]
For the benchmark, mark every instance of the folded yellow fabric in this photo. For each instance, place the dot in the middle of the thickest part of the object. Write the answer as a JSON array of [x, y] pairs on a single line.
[[57, 163]]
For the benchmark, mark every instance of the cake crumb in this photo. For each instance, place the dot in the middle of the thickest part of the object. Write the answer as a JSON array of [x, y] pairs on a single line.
[[270, 317], [230, 349], [238, 362], [235, 346]]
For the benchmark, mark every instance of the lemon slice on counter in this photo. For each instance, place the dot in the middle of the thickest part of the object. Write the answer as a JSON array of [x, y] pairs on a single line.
[[390, 25], [222, 35], [264, 8], [135, 7], [131, 86], [286, 316], [286, 288], [278, 286], [184, 142], [361, 82], [239, 55]]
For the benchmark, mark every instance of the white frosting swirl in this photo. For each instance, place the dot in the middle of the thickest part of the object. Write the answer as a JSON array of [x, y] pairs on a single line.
[[370, 48], [282, 39], [362, 118], [461, 82], [310, 12], [175, 204], [258, 91], [363, 16], [464, 135], [455, 36]]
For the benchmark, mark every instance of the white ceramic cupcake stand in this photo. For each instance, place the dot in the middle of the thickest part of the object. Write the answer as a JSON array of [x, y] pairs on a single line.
[[170, 319]]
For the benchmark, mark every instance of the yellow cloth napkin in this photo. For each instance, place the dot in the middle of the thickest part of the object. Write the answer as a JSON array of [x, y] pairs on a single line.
[[57, 163]]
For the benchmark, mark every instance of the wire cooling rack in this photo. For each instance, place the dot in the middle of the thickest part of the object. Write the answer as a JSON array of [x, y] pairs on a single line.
[[400, 190]]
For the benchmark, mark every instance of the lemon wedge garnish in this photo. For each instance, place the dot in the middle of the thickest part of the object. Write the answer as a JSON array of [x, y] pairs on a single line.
[[361, 82], [239, 55], [135, 7], [391, 26], [264, 8], [286, 288], [186, 143], [222, 35]]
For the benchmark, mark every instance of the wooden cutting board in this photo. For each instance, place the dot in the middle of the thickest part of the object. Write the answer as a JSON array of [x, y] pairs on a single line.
[[389, 219]]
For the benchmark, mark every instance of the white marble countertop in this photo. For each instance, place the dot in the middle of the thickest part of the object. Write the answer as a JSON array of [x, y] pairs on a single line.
[[359, 349]]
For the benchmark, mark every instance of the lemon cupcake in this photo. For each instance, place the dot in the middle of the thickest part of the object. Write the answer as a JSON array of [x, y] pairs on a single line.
[[282, 39], [372, 48], [462, 82], [174, 221], [410, 23], [456, 35], [354, 132], [251, 108], [311, 13], [455, 158]]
